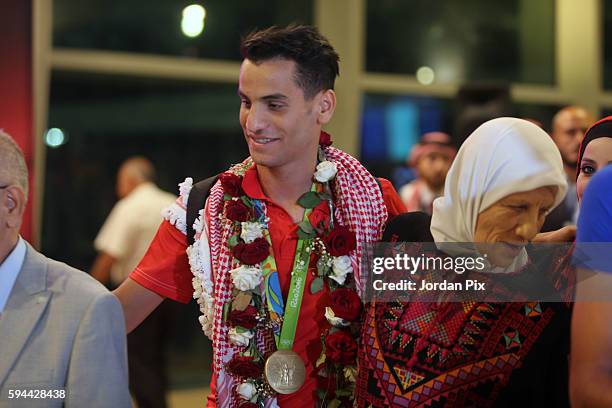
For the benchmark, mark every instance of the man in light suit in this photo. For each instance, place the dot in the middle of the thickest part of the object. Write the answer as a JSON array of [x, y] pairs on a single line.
[[60, 330]]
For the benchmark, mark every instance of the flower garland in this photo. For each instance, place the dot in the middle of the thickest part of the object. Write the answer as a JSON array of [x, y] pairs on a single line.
[[327, 249]]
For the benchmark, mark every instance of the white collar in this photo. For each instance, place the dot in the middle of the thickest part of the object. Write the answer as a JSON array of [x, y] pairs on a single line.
[[9, 269]]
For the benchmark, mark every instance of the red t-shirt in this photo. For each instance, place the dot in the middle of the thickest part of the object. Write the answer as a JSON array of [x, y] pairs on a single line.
[[165, 271]]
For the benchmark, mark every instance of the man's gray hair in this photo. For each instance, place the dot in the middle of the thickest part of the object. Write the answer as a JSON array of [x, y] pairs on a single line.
[[13, 168]]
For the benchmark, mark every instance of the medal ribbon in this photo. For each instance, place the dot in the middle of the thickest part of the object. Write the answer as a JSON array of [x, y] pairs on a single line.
[[285, 318]]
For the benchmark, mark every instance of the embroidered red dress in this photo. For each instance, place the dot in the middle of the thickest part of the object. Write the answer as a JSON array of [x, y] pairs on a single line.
[[464, 354]]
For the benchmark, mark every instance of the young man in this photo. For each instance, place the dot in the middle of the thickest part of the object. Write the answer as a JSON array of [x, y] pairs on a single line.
[[286, 92]]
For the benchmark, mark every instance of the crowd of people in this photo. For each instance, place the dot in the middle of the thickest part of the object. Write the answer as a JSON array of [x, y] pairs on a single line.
[[272, 250]]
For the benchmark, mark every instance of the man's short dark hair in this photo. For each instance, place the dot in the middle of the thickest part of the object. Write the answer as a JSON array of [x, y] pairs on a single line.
[[315, 58]]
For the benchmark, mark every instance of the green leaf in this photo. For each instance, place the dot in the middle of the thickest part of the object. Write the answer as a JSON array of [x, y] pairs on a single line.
[[316, 285], [305, 231], [302, 235], [306, 227], [233, 241], [227, 197], [309, 200]]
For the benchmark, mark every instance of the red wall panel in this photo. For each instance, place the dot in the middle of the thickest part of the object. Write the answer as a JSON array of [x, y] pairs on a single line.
[[16, 104]]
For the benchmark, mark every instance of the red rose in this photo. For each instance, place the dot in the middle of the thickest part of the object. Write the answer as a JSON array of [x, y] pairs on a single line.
[[340, 241], [236, 210], [341, 348], [248, 404], [320, 216], [253, 253], [325, 139], [346, 304], [246, 318], [244, 366], [232, 184]]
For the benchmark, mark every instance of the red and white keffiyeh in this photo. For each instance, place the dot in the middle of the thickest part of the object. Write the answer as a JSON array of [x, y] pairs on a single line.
[[358, 204]]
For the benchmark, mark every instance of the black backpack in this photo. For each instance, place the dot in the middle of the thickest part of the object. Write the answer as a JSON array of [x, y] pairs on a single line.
[[197, 197]]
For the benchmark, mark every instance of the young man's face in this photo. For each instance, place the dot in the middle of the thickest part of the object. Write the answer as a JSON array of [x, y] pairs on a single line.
[[279, 124]]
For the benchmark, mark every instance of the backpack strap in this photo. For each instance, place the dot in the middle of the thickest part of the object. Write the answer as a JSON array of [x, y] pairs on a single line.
[[197, 198]]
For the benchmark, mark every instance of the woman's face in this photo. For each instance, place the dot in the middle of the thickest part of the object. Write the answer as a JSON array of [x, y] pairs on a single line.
[[597, 155], [511, 223]]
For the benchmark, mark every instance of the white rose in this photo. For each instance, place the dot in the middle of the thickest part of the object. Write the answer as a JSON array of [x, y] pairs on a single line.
[[239, 338], [333, 320], [341, 267], [251, 231], [246, 277], [246, 390], [326, 171]]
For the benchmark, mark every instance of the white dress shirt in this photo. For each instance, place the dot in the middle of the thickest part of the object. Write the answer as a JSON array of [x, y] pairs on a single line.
[[130, 228], [9, 269]]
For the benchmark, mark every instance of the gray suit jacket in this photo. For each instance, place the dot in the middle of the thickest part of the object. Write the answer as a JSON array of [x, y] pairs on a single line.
[[61, 329]]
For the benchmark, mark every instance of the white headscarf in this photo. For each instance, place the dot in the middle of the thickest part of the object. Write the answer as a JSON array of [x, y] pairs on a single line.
[[502, 157]]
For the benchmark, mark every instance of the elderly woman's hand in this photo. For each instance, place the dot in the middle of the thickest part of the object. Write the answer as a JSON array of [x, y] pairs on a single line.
[[565, 234]]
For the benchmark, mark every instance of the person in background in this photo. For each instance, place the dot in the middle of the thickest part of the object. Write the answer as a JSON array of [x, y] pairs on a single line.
[[60, 330], [567, 130], [121, 243], [431, 158]]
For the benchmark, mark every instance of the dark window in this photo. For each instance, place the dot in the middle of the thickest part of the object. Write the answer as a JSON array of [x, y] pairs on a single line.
[[510, 40], [154, 27]]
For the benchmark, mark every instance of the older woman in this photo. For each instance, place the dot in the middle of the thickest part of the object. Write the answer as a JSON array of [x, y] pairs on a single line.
[[505, 179]]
